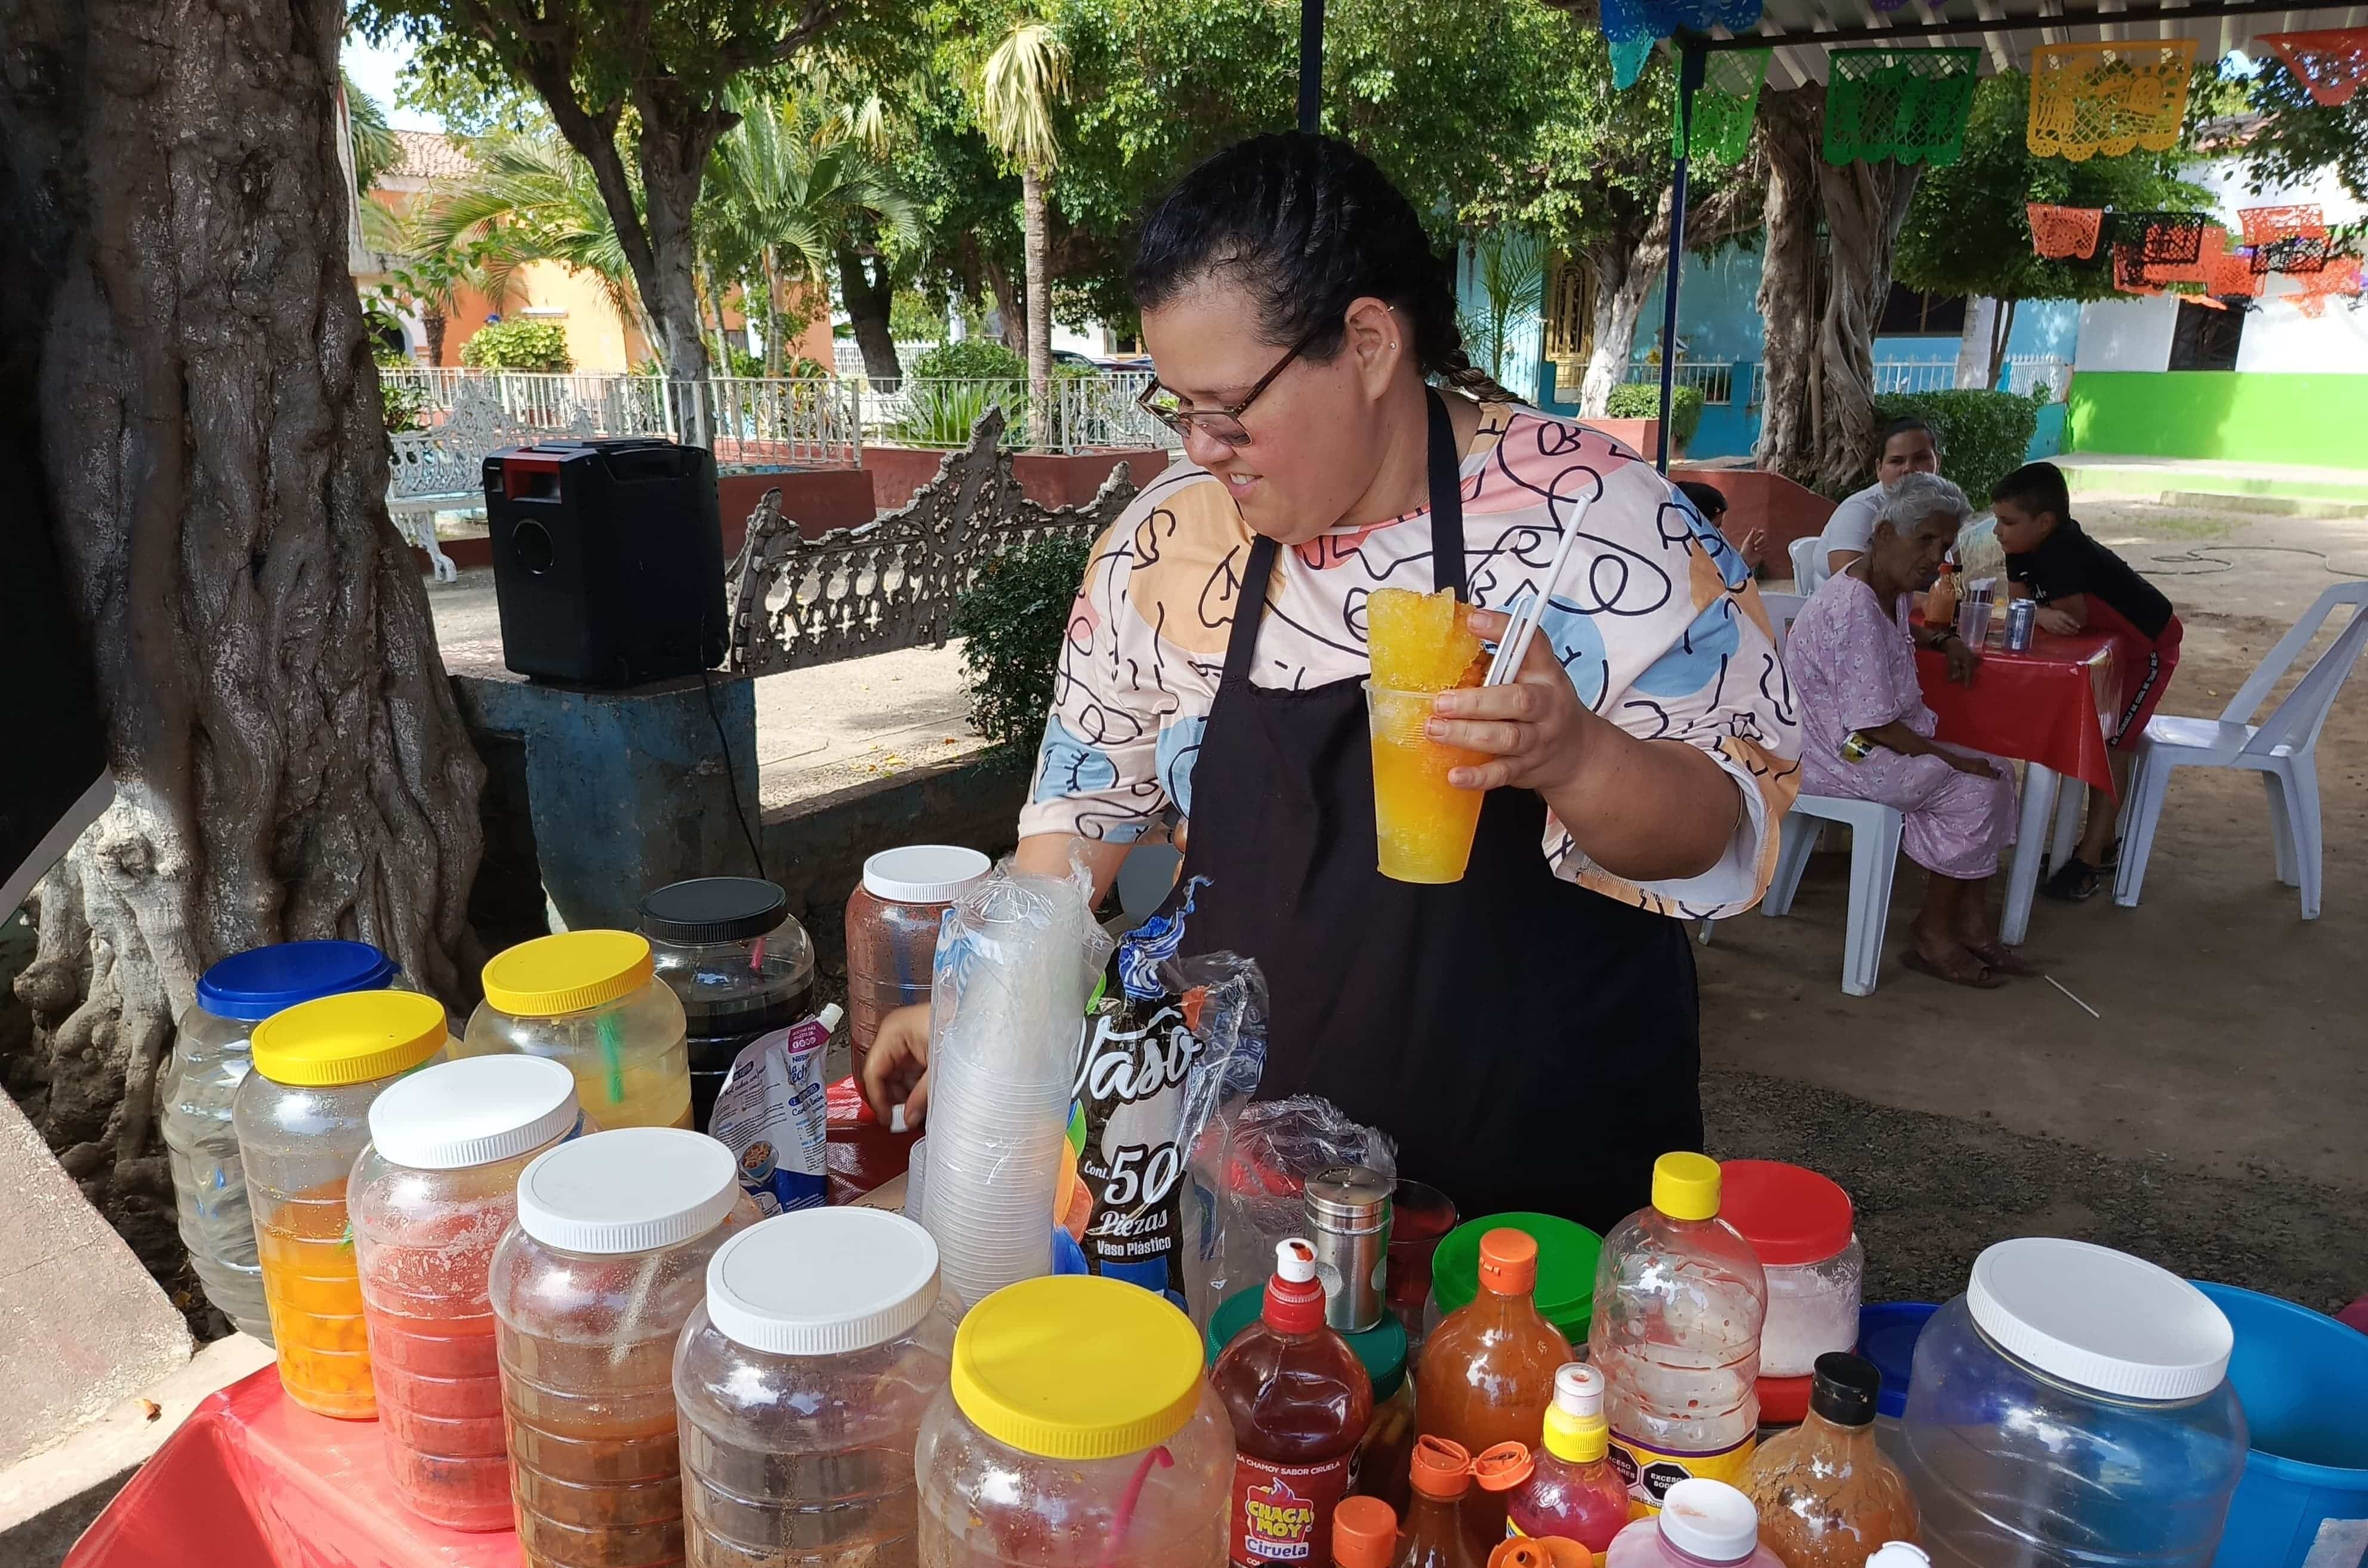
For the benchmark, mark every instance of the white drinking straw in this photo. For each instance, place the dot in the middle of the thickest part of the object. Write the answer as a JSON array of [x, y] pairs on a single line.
[[1514, 646]]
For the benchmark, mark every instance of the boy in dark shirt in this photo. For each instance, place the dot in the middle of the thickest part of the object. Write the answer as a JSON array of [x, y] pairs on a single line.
[[2081, 585]]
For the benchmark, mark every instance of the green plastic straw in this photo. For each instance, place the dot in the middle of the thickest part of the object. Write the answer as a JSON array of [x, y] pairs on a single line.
[[612, 1052]]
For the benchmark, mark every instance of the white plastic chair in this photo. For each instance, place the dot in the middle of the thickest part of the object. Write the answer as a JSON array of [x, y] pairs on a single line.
[[1808, 563], [2284, 750], [1874, 856], [1781, 611]]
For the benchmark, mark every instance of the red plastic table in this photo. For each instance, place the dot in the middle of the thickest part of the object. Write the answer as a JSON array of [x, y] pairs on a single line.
[[2047, 707]]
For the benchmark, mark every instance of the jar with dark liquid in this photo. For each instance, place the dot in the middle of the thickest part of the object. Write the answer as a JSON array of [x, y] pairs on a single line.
[[741, 964]]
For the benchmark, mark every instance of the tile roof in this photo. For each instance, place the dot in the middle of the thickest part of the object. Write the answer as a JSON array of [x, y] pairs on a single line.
[[429, 155]]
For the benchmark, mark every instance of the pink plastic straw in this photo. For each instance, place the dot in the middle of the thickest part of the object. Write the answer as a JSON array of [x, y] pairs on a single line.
[[756, 956], [1125, 1520]]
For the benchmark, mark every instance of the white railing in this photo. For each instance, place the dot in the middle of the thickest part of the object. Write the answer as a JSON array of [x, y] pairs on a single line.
[[1714, 378], [2025, 372], [1915, 375], [847, 356], [1082, 413]]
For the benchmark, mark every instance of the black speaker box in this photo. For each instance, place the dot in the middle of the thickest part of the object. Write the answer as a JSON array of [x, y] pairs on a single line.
[[608, 559]]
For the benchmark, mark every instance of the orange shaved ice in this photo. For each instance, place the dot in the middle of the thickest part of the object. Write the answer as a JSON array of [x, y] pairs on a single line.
[[1421, 642]]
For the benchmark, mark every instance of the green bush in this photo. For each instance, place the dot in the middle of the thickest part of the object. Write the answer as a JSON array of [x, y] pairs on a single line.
[[1983, 434], [969, 360], [1012, 622], [518, 345], [1642, 400], [941, 414]]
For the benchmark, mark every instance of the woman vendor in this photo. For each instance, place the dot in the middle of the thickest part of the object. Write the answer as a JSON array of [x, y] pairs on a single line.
[[1529, 1034]]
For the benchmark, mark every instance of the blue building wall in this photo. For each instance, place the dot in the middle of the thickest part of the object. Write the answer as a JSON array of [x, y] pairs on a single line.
[[1519, 365]]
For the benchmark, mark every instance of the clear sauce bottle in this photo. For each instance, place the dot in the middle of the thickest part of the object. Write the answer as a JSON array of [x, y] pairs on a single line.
[[1826, 1494]]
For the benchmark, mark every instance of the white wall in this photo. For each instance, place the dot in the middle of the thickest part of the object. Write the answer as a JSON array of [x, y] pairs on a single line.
[[2127, 334], [2278, 337]]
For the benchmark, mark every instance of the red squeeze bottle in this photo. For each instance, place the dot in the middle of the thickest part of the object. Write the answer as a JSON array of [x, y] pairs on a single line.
[[1300, 1402]]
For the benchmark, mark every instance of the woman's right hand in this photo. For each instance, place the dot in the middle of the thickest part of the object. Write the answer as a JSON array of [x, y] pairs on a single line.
[[896, 1070]]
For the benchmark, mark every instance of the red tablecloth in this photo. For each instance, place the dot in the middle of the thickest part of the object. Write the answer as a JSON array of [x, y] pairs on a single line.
[[252, 1480], [2049, 704]]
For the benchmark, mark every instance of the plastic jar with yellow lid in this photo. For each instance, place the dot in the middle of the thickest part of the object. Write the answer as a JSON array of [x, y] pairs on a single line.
[[303, 1116], [1076, 1431], [592, 1000]]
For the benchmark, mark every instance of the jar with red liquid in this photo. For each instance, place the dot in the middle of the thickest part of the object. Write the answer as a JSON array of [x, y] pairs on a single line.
[[1487, 1375], [1570, 1488], [1420, 1217], [1300, 1402], [429, 1200], [1435, 1536], [892, 931]]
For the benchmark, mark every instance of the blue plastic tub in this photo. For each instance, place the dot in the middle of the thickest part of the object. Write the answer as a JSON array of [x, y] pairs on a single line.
[[2304, 1381]]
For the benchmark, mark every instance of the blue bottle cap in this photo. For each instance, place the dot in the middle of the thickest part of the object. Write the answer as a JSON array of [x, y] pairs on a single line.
[[1887, 1332], [252, 985]]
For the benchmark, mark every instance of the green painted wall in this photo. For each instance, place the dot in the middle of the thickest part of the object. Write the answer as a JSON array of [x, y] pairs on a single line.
[[2224, 414]]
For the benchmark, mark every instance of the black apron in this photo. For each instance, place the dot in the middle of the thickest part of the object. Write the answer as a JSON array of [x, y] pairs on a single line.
[[1529, 1045]]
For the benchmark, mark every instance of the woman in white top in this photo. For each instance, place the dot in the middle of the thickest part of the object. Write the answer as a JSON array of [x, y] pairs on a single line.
[[1909, 446]]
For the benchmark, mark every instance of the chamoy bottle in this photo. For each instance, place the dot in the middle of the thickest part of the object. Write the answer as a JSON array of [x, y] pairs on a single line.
[[1940, 599], [1488, 1373], [1434, 1535], [1365, 1534], [1300, 1402], [1701, 1524], [1680, 1298], [1572, 1489], [1826, 1496]]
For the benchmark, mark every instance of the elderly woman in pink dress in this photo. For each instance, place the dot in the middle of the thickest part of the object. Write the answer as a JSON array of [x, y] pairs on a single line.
[[1852, 661]]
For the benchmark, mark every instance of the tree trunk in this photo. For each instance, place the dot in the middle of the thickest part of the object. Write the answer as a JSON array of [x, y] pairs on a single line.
[[1008, 304], [773, 360], [212, 460], [1039, 305], [1973, 341], [867, 297], [1788, 129], [432, 324], [723, 365], [2001, 335], [1627, 262], [674, 160], [1864, 205]]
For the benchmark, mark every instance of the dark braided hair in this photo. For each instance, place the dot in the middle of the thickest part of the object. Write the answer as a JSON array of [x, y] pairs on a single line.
[[1305, 226]]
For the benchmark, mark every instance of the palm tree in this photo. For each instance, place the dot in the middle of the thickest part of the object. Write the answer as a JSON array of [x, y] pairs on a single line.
[[1023, 79], [427, 273]]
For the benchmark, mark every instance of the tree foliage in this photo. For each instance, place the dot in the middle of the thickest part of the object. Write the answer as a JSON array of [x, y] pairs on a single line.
[[2294, 137], [518, 345]]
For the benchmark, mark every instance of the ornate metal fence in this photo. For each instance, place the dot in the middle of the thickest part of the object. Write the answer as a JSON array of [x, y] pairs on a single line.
[[892, 582]]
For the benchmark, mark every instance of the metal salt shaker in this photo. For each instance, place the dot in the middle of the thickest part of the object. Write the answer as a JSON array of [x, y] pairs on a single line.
[[1348, 1220], [2021, 616]]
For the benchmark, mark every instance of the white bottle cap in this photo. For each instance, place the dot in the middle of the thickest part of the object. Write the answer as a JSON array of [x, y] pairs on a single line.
[[1899, 1554], [630, 1190], [473, 1111], [1710, 1519], [1294, 1261], [922, 873], [1578, 1389], [2100, 1319], [822, 1282], [829, 1015]]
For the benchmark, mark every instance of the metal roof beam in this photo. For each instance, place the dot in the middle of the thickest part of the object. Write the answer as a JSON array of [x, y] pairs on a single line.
[[2061, 20]]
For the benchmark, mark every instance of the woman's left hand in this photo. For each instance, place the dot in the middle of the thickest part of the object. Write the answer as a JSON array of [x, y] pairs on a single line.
[[1534, 727]]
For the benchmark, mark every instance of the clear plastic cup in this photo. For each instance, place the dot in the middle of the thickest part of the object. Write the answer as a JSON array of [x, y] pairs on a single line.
[[800, 1385], [590, 1291], [429, 1200], [302, 1118], [1422, 825]]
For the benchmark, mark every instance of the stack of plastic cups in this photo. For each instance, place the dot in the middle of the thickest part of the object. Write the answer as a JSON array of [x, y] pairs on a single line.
[[1007, 1001]]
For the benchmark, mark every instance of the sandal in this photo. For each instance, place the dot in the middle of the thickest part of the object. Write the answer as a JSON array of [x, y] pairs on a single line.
[[2110, 861], [1971, 974], [2075, 879], [1998, 959]]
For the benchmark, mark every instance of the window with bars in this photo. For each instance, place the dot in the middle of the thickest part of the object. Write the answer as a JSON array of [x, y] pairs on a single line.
[[1570, 322]]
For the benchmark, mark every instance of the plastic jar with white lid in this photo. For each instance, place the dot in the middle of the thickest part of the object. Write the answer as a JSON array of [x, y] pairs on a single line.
[[210, 1061], [303, 1116], [2072, 1410], [1802, 1226], [800, 1385], [430, 1199], [592, 1001], [1076, 1430], [590, 1290], [739, 963], [893, 919]]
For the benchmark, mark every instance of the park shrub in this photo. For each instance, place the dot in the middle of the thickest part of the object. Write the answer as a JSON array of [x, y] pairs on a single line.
[[518, 345], [1013, 621], [1984, 435], [1642, 400], [969, 359]]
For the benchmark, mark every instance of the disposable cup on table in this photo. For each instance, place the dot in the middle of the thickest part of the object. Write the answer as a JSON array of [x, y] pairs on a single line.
[[1422, 825]]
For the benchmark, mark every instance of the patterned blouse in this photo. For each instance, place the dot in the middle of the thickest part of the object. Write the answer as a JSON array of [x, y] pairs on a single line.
[[1655, 616]]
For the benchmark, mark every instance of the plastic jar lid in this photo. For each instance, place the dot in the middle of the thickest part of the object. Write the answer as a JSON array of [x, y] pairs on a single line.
[[1789, 1215], [252, 985], [1887, 1331], [634, 1189], [1784, 1402], [922, 873], [823, 1281], [1685, 1185], [1899, 1554], [473, 1111], [1710, 1519], [1076, 1367], [1364, 1533], [568, 972], [2100, 1319], [715, 909], [349, 1038], [1566, 1256]]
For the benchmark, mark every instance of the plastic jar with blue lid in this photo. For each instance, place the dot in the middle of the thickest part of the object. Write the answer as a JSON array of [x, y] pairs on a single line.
[[211, 1057]]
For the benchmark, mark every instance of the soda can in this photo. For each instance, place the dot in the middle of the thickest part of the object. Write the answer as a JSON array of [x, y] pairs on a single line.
[[2022, 615], [1856, 746]]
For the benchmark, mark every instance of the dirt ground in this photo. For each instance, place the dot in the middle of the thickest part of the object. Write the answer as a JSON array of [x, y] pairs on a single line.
[[2215, 1117]]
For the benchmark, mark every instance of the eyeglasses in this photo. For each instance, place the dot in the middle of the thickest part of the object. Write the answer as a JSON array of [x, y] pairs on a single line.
[[1218, 424]]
